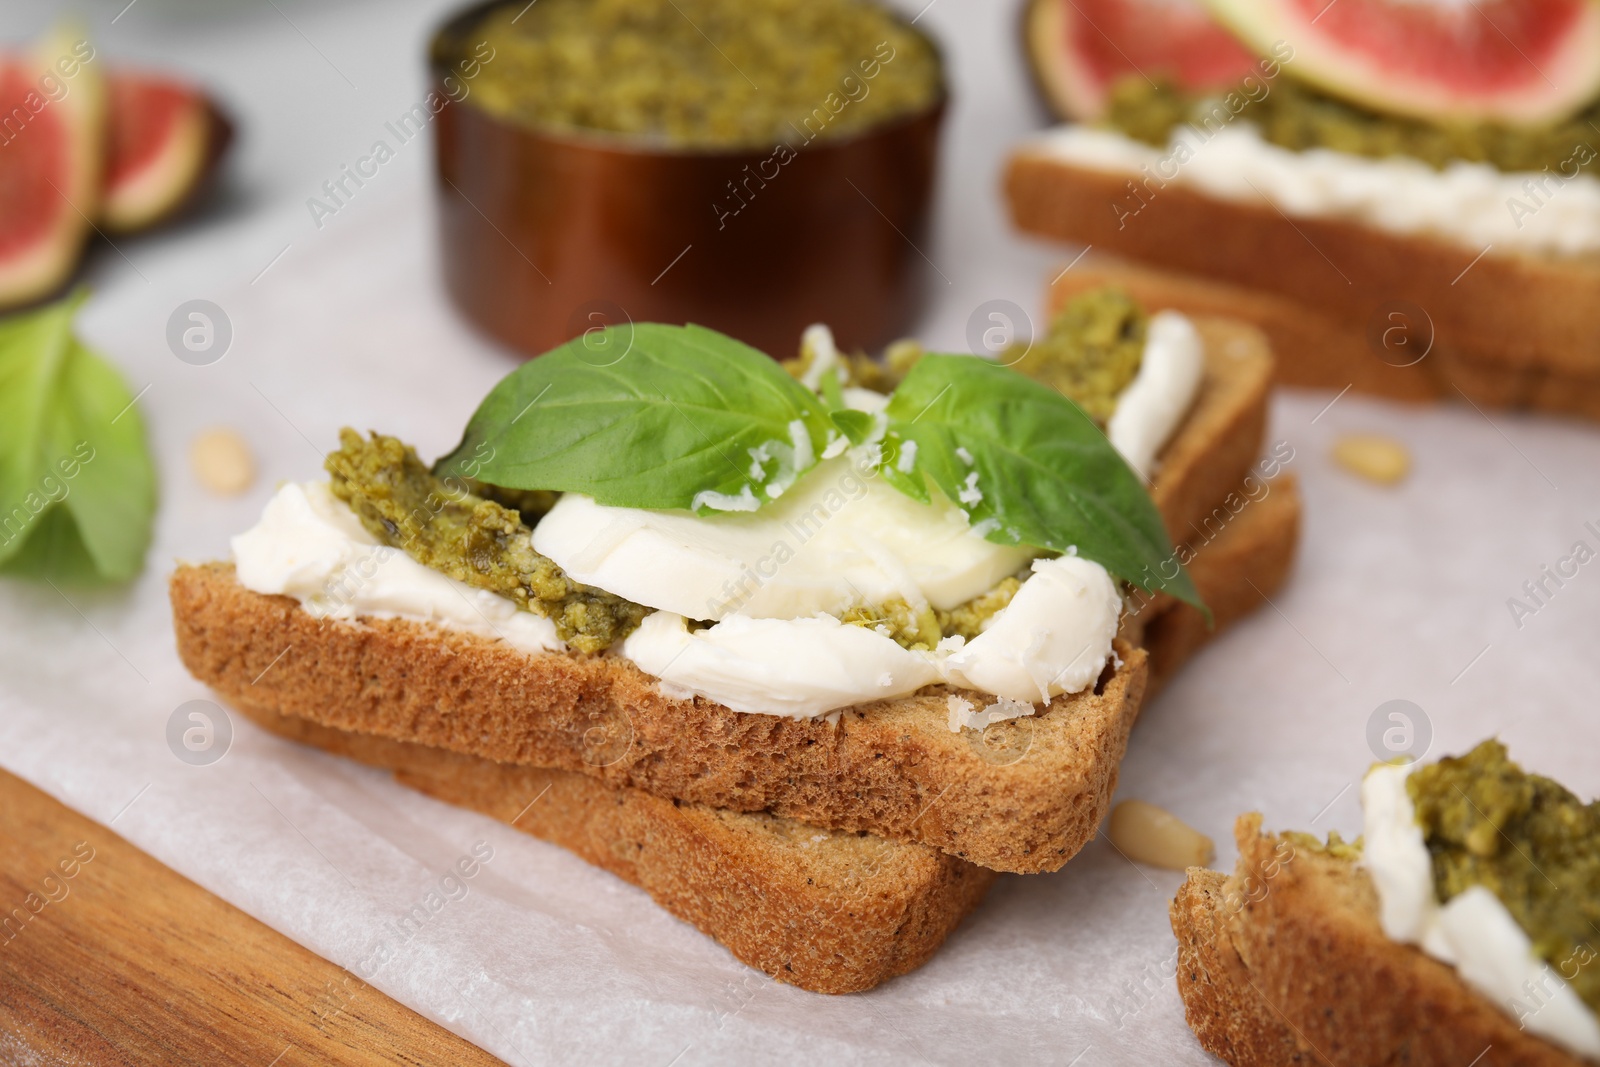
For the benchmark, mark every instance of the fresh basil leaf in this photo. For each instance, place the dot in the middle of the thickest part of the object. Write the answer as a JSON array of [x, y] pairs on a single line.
[[684, 418], [54, 550], [77, 484], [856, 425], [1028, 467], [831, 391]]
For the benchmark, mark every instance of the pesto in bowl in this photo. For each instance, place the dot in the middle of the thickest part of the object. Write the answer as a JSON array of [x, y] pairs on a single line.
[[704, 74]]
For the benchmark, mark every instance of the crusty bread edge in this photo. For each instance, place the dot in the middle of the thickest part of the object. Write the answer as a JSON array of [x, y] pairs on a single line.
[[1321, 351], [1244, 556], [1025, 799], [751, 890], [1284, 961], [1511, 310]]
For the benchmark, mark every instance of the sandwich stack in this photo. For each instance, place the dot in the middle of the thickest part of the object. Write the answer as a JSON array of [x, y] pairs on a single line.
[[831, 852]]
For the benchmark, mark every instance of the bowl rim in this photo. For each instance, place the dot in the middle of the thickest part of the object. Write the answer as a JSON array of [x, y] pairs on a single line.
[[630, 145]]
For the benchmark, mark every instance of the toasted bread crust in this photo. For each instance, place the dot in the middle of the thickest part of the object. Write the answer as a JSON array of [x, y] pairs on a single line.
[[1222, 433], [1229, 1017], [1241, 556], [1507, 310], [828, 911], [1321, 351], [1314, 349], [1024, 798], [1286, 957]]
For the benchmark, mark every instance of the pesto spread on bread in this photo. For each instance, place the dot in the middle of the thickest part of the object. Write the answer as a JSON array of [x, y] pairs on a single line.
[[922, 628], [1525, 838], [705, 73], [481, 534], [446, 526], [1299, 117], [1090, 353], [861, 371], [1333, 846]]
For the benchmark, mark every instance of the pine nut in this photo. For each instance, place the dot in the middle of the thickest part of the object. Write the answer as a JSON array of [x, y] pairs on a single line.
[[1374, 457], [222, 462], [1148, 834]]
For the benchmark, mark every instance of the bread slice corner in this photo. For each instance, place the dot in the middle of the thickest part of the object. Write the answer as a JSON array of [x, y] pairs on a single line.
[[1222, 433], [1284, 961], [1239, 555], [1511, 309]]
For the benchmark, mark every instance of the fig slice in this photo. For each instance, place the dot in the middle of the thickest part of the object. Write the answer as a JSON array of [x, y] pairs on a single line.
[[166, 140], [1078, 48], [1517, 62], [52, 137]]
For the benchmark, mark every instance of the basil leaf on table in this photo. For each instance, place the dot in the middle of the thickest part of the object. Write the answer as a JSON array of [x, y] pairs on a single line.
[[1028, 467], [685, 418], [77, 484]]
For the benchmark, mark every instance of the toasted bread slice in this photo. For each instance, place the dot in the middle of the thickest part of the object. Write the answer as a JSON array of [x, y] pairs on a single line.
[[1239, 555], [1320, 351], [827, 910], [1221, 436], [1509, 315], [1284, 961], [1314, 349], [1025, 798]]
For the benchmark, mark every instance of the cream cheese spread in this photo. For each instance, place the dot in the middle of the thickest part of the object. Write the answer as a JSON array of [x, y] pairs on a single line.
[[310, 545], [1150, 410], [1054, 637], [1471, 204], [1474, 931], [792, 667], [840, 538]]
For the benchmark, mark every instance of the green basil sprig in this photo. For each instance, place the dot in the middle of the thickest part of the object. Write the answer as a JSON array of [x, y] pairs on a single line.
[[77, 484], [647, 416], [1028, 467], [682, 417]]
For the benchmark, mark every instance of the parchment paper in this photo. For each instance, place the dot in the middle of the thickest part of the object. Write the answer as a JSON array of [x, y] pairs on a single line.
[[1400, 593]]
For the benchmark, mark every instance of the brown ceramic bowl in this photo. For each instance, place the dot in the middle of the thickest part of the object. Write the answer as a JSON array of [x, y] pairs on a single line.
[[546, 235]]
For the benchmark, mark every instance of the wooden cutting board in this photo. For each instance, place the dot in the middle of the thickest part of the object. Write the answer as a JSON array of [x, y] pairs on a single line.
[[128, 962]]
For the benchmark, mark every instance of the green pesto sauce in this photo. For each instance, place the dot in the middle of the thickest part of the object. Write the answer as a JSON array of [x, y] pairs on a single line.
[[705, 73], [1091, 352], [446, 526], [880, 374], [1298, 117], [531, 504], [1526, 839], [922, 629], [909, 627], [1335, 845]]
